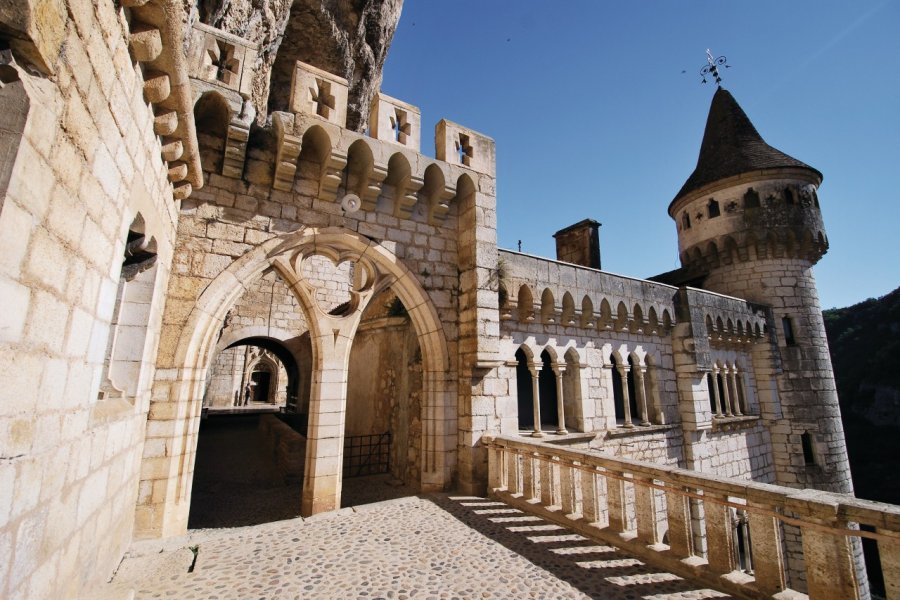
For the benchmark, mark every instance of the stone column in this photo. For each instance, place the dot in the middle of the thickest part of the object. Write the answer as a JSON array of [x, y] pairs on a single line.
[[327, 408], [534, 369], [558, 371], [714, 378], [641, 393], [726, 400], [741, 391], [626, 399], [732, 385]]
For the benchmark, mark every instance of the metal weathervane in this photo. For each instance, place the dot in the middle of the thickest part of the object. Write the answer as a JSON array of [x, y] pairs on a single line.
[[712, 67]]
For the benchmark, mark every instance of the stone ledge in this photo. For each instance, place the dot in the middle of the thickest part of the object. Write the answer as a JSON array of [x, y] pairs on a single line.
[[734, 423], [621, 432]]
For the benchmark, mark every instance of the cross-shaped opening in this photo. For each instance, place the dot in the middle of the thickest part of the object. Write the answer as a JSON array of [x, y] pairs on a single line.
[[464, 150], [323, 98], [400, 125], [222, 59]]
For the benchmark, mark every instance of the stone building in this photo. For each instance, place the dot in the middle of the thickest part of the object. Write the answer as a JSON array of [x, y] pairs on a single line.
[[165, 249]]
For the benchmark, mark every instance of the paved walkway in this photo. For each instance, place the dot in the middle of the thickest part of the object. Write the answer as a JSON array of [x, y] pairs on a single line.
[[432, 546]]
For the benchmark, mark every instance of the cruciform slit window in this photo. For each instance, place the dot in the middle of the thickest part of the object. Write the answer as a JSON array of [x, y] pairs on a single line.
[[323, 98], [464, 150], [400, 125], [223, 61]]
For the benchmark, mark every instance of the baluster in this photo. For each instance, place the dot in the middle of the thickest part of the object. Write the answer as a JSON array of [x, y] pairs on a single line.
[[545, 471], [830, 572], [889, 551], [513, 482], [615, 495], [495, 468], [719, 532], [590, 509], [645, 510], [678, 514], [567, 488], [528, 461]]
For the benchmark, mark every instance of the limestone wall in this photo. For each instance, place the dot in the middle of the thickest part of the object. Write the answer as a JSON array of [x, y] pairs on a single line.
[[83, 168], [807, 391]]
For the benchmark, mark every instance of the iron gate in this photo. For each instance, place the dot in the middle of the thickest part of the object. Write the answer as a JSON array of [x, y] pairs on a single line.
[[367, 454]]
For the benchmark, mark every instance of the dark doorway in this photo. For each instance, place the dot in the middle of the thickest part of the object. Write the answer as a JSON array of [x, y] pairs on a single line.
[[261, 380], [547, 387], [618, 396], [525, 391]]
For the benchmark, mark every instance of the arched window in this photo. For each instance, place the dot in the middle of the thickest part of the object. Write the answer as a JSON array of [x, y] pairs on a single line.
[[131, 314], [713, 208], [751, 198], [788, 196]]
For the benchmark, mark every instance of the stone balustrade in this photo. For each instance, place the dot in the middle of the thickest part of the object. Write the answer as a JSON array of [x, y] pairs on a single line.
[[726, 533]]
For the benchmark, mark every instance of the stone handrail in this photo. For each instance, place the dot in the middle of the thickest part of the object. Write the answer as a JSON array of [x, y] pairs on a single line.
[[725, 532]]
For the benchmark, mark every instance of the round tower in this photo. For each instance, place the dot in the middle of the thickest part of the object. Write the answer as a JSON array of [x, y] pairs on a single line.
[[749, 226]]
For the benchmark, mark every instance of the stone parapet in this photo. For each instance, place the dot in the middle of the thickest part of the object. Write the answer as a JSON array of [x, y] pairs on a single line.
[[551, 292], [732, 539]]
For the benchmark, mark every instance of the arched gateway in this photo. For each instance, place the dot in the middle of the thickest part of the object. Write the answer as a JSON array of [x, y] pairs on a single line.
[[372, 268]]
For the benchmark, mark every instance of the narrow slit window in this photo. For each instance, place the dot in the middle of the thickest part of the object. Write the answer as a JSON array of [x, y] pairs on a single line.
[[788, 327], [809, 455]]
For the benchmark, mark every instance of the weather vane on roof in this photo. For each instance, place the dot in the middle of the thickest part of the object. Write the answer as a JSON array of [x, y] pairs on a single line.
[[712, 67]]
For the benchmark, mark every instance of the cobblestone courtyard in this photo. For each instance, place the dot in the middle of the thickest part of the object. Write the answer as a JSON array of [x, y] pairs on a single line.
[[389, 544], [434, 546]]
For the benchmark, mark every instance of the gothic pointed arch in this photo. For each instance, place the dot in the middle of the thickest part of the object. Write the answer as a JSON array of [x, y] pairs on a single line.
[[167, 513]]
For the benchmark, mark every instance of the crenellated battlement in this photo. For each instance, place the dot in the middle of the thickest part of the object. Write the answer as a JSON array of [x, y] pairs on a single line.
[[355, 169], [770, 215]]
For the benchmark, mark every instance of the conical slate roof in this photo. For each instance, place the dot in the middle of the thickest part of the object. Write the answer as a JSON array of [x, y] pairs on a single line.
[[731, 146]]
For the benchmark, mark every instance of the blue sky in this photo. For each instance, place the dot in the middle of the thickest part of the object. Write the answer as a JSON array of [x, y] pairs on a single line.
[[598, 111]]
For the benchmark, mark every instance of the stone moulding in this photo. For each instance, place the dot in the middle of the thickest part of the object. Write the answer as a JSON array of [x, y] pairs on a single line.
[[156, 43]]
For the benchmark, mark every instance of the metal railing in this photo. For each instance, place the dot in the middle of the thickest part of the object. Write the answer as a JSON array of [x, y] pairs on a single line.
[[725, 532], [367, 454]]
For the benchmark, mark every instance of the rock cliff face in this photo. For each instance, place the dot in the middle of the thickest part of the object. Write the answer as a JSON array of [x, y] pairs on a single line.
[[865, 350], [347, 37]]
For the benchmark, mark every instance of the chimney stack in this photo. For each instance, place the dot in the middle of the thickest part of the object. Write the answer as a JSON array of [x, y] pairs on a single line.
[[579, 244]]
